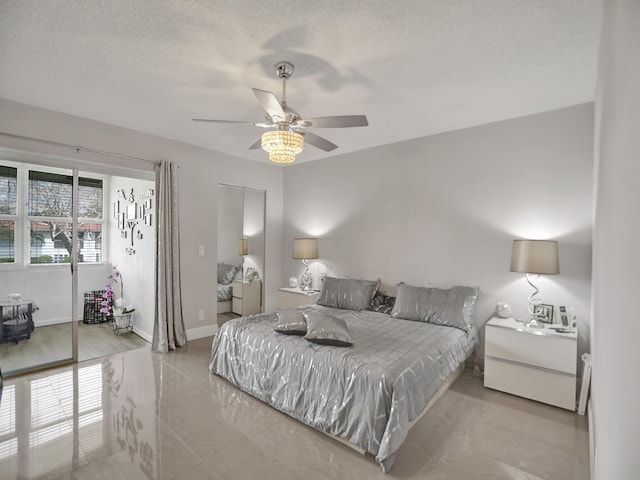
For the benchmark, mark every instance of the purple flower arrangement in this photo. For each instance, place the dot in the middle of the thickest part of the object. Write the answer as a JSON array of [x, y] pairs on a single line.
[[112, 304]]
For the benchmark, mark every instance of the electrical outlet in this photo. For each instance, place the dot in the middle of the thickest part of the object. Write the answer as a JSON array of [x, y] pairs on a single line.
[[200, 314], [201, 250]]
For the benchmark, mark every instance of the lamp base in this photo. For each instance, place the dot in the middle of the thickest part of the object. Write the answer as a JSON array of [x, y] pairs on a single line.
[[533, 323]]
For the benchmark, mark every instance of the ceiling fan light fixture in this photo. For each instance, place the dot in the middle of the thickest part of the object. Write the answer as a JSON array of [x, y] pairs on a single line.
[[282, 145], [282, 157]]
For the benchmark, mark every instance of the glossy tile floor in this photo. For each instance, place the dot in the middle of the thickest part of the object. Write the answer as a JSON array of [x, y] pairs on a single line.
[[140, 415], [52, 343]]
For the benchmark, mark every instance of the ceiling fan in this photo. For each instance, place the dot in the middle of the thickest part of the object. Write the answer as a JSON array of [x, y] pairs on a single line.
[[285, 139]]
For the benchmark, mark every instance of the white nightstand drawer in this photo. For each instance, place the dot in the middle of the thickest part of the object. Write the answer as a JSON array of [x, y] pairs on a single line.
[[236, 305], [549, 351], [542, 385], [237, 289]]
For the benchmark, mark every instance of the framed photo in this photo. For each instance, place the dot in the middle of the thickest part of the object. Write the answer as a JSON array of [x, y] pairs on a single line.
[[543, 312], [147, 219], [132, 211], [116, 208], [147, 204], [121, 221]]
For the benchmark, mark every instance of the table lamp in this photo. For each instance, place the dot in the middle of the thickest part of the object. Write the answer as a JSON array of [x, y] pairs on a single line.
[[305, 249], [534, 257]]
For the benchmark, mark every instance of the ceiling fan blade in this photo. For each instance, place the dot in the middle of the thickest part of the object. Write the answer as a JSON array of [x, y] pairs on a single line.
[[239, 122], [256, 144], [270, 103], [337, 122], [221, 121], [318, 142]]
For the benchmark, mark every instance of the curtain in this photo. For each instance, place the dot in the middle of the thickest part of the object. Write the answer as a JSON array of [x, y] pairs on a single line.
[[168, 328]]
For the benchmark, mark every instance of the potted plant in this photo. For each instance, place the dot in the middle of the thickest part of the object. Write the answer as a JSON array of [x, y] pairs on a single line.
[[113, 303]]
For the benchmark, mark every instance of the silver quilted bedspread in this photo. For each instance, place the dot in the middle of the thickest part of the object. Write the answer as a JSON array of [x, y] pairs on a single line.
[[367, 394]]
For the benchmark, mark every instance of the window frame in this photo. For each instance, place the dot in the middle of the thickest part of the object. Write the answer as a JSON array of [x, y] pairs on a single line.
[[22, 220]]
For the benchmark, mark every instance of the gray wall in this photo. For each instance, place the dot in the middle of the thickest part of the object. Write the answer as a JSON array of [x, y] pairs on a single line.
[[444, 209], [616, 259]]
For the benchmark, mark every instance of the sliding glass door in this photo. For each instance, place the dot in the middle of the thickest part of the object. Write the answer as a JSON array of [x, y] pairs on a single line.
[[38, 256], [62, 232]]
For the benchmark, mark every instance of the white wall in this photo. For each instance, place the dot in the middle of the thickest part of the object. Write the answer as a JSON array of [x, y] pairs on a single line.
[[199, 172], [138, 269], [444, 209], [616, 257]]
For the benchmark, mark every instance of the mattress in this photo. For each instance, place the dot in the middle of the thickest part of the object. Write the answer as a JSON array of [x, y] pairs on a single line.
[[368, 394], [224, 292]]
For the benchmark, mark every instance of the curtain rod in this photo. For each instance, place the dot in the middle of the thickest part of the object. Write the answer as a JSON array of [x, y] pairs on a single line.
[[77, 148]]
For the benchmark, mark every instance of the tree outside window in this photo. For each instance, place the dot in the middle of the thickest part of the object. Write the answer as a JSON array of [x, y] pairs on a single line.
[[50, 211]]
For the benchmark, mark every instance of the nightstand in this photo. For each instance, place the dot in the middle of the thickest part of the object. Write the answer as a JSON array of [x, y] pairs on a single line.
[[294, 297], [246, 297], [535, 363]]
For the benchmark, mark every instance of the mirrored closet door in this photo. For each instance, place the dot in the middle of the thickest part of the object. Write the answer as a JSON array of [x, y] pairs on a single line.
[[240, 267]]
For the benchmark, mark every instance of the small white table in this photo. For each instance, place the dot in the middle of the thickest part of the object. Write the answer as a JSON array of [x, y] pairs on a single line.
[[535, 363], [295, 297]]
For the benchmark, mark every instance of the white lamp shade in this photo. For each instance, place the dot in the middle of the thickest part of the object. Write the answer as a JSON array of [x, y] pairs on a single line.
[[305, 248], [535, 256]]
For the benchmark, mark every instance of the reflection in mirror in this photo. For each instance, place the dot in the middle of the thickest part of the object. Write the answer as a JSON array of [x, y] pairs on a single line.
[[241, 245]]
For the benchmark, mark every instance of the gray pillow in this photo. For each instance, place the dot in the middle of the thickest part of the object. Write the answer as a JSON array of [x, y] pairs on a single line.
[[291, 322], [326, 329], [347, 294], [227, 273], [452, 307]]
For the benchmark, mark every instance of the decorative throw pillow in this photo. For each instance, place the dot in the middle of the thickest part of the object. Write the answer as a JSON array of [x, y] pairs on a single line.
[[291, 322], [451, 307], [227, 273], [382, 303], [347, 293], [326, 329]]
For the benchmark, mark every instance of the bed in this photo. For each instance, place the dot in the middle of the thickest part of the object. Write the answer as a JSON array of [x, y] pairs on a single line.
[[368, 394], [227, 273]]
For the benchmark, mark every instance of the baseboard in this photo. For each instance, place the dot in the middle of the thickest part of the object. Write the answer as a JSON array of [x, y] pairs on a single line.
[[143, 334], [51, 321], [200, 332]]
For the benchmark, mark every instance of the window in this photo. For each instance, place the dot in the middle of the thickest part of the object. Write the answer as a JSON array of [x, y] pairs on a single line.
[[47, 221], [8, 210]]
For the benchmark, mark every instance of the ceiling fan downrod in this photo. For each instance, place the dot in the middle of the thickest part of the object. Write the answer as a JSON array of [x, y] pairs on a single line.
[[284, 70]]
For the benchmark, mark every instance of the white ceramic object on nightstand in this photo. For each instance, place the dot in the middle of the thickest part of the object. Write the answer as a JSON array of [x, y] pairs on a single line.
[[503, 310], [293, 282]]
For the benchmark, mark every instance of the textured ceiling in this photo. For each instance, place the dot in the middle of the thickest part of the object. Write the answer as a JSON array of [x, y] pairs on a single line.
[[413, 67]]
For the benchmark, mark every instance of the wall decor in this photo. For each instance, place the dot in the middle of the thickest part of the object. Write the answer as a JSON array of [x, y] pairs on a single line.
[[132, 224], [132, 211], [133, 214], [147, 193]]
